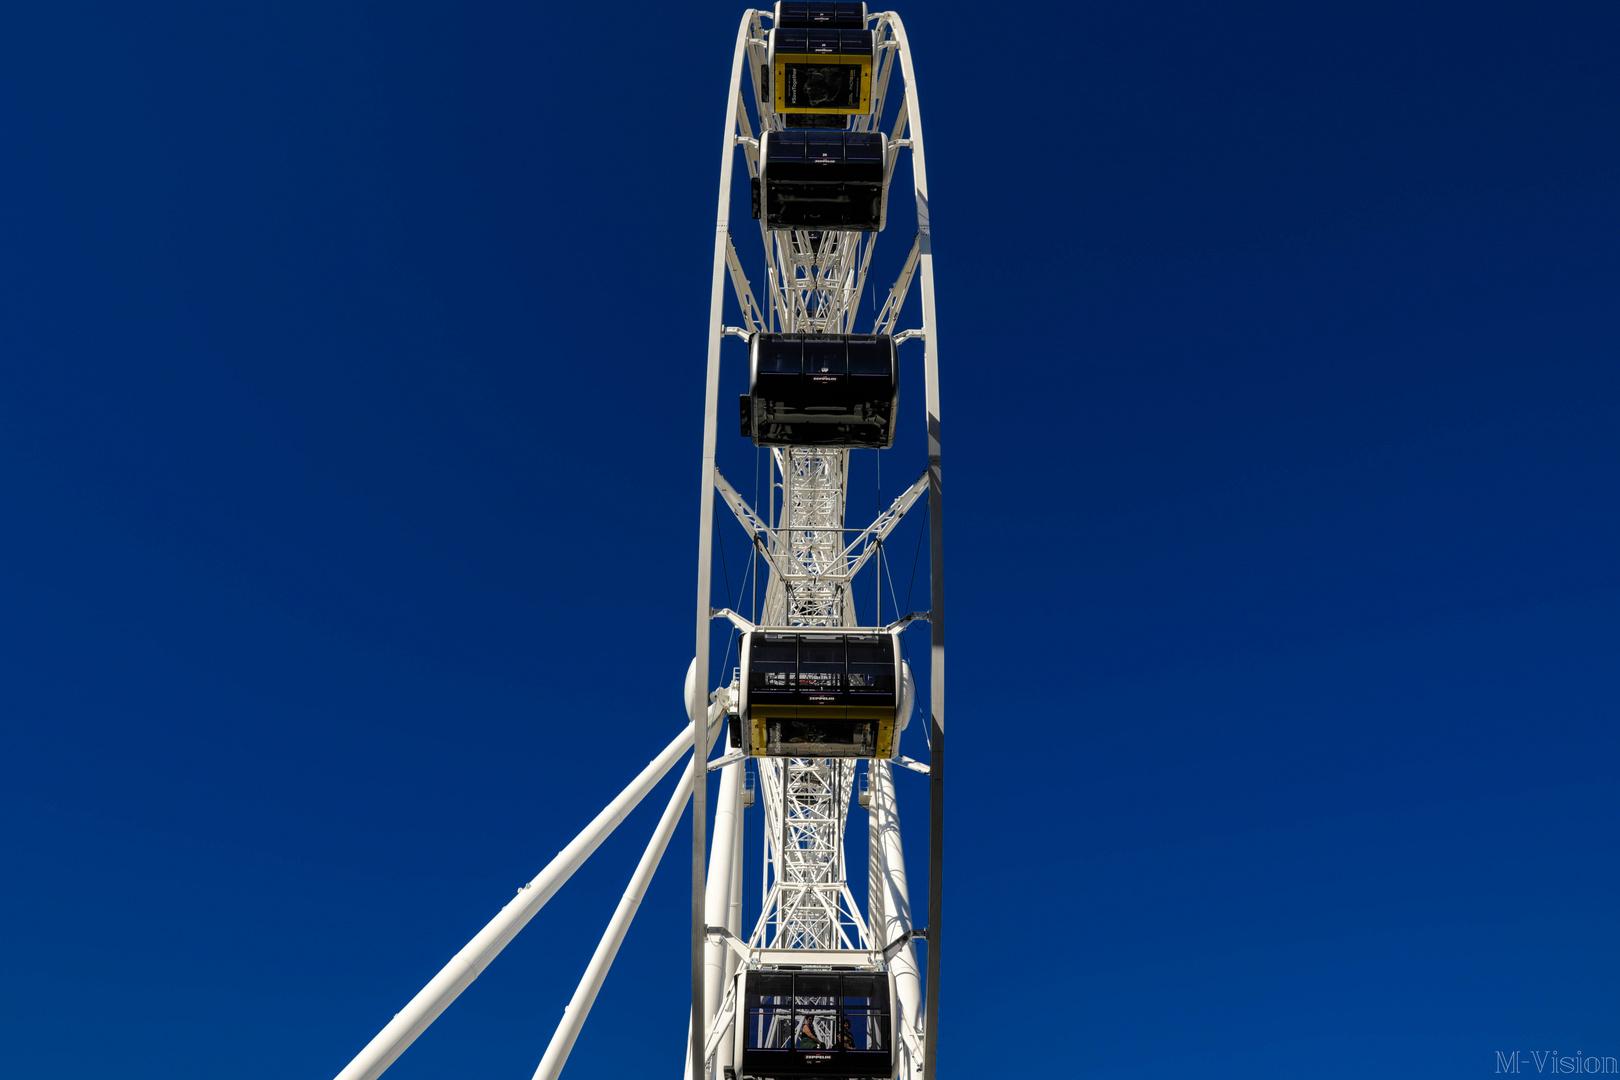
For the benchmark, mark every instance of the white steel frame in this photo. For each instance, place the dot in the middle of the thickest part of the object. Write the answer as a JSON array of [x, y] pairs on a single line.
[[812, 559], [816, 287]]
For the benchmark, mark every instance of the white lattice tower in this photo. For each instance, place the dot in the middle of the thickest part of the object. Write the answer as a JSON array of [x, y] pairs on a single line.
[[821, 277], [806, 810]]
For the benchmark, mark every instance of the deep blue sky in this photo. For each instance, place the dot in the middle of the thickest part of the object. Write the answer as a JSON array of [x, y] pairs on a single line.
[[350, 400]]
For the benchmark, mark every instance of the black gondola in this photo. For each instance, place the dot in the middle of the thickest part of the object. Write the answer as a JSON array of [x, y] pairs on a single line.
[[819, 16], [821, 390], [820, 693], [826, 1023], [821, 180]]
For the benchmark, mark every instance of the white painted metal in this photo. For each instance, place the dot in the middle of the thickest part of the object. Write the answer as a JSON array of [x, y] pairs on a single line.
[[830, 561], [898, 291], [876, 893], [705, 568], [470, 962], [717, 898], [726, 1050], [729, 760], [806, 809], [897, 916], [809, 537], [815, 284], [579, 1006], [936, 546]]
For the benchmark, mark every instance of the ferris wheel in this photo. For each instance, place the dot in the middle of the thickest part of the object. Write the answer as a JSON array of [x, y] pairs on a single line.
[[809, 720]]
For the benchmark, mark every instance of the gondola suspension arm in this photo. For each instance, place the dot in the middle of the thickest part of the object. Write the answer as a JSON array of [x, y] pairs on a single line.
[[872, 537], [753, 320], [897, 292]]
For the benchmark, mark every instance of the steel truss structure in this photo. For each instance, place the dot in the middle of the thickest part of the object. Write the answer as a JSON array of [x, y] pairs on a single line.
[[812, 284]]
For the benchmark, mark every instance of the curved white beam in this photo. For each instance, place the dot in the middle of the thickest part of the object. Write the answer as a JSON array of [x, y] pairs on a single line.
[[711, 399], [936, 550]]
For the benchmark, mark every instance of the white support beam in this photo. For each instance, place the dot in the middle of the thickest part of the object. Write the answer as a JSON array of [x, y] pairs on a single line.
[[877, 532], [722, 1022], [717, 900], [887, 317], [745, 136], [753, 320], [936, 548], [728, 940], [705, 536], [733, 758], [579, 1006], [907, 619], [896, 895], [838, 561], [751, 522], [470, 962], [735, 619], [876, 908]]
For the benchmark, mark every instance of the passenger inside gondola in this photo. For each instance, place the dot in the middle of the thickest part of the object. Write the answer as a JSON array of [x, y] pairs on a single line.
[[819, 695], [828, 1024]]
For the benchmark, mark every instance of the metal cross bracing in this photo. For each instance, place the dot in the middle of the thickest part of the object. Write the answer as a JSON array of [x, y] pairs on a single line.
[[813, 283], [814, 280], [810, 533], [806, 804], [812, 557]]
